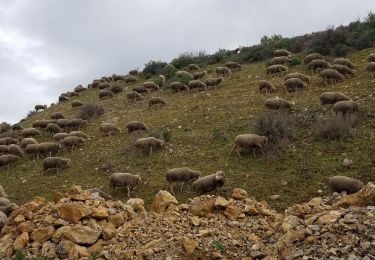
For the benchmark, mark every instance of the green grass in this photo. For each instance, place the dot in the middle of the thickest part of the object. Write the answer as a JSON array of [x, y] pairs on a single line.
[[203, 126]]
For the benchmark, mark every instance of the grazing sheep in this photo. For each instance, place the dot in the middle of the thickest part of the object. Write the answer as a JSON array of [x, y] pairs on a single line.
[[40, 107], [224, 71], [294, 84], [8, 159], [8, 209], [3, 219], [78, 134], [298, 75], [266, 86], [371, 69], [55, 163], [76, 123], [343, 69], [245, 141], [152, 86], [371, 57], [233, 65], [117, 77], [193, 67], [278, 103], [197, 84], [148, 143], [273, 69], [57, 115], [41, 124], [4, 149], [4, 201], [31, 149], [343, 61], [77, 103], [53, 128], [331, 76], [63, 123], [162, 79], [108, 129], [209, 183], [184, 74], [282, 52], [72, 94], [72, 141], [136, 126], [130, 79], [16, 127], [133, 96], [199, 74], [8, 141], [95, 83], [59, 136], [79, 89], [104, 94], [30, 132], [344, 183], [63, 98], [311, 57], [140, 89], [283, 60], [318, 65], [48, 148], [183, 175], [178, 86], [2, 192], [104, 85], [332, 97], [15, 149], [156, 101], [124, 180], [213, 82], [133, 72], [346, 107]]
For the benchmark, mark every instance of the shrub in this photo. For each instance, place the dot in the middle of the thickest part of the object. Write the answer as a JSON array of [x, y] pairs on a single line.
[[295, 61], [148, 76], [218, 245], [116, 88], [5, 127], [108, 167], [341, 50], [163, 134], [90, 111], [19, 254], [335, 127], [154, 67], [186, 58], [219, 135], [169, 71]]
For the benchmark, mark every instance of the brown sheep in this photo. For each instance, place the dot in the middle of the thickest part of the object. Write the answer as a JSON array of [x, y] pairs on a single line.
[[311, 57], [79, 89], [48, 148], [117, 77], [224, 71], [343, 69], [30, 132], [141, 89], [294, 84], [41, 124], [130, 79], [183, 175], [8, 141], [371, 58], [332, 98], [209, 183], [73, 94], [40, 107], [197, 84], [31, 149], [156, 101], [233, 65], [282, 52], [133, 72], [72, 141], [278, 103], [266, 86], [318, 65], [246, 141], [95, 83], [213, 82], [57, 115], [152, 86], [133, 96], [344, 183], [8, 159], [298, 75], [124, 180], [148, 143], [79, 134], [136, 126], [104, 94], [108, 129], [283, 60], [53, 128], [331, 76], [57, 163], [199, 74], [178, 86], [76, 123], [346, 107], [104, 85], [15, 149], [4, 149], [63, 98], [273, 69], [63, 123], [371, 69], [59, 136], [345, 62], [2, 192], [77, 103], [193, 67], [184, 74]]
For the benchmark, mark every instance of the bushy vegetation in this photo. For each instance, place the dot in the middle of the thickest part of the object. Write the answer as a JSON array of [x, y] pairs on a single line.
[[5, 127], [154, 67], [90, 111], [335, 127], [116, 88]]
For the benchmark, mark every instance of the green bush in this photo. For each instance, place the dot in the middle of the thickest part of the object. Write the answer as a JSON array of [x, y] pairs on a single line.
[[90, 111], [154, 67], [335, 127], [341, 50], [163, 134], [295, 61]]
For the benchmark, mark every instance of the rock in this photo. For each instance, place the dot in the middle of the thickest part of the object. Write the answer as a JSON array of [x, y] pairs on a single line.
[[274, 197], [109, 231], [330, 217], [136, 203], [189, 245], [6, 246], [82, 235], [232, 212], [63, 248], [116, 220], [251, 210], [97, 247], [21, 241], [72, 212], [24, 227], [347, 162], [239, 194], [162, 201], [58, 233], [42, 234], [195, 220], [100, 213], [19, 218], [364, 197], [201, 206], [220, 202]]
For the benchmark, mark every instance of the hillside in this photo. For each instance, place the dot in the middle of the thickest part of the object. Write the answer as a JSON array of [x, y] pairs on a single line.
[[203, 126]]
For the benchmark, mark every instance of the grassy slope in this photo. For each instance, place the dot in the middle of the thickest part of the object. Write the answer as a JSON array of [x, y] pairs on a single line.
[[194, 119]]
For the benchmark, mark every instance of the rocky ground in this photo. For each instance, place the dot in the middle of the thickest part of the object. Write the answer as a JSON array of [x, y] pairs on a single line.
[[83, 225]]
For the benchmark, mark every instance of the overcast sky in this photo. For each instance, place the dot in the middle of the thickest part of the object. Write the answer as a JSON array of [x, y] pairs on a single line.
[[49, 46]]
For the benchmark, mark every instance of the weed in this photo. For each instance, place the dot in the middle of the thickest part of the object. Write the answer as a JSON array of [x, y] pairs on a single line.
[[335, 127], [19, 254], [163, 134], [116, 88], [218, 245], [90, 111]]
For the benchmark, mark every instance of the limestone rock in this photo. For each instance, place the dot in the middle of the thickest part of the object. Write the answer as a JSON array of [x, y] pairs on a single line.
[[189, 245], [220, 202], [239, 194], [109, 231], [42, 234], [201, 206], [232, 212], [21, 241], [73, 212], [117, 220], [82, 235], [100, 212], [162, 201], [364, 197]]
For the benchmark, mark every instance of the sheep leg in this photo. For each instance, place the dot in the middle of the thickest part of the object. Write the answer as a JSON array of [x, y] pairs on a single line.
[[182, 185], [127, 187], [150, 150], [233, 148], [254, 152], [238, 152], [171, 188]]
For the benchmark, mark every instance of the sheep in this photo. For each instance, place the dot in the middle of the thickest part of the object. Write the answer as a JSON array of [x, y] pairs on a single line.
[[282, 52], [213, 82], [283, 60], [331, 76], [30, 132], [332, 98], [371, 58], [130, 79], [8, 159], [133, 96], [3, 219], [273, 69], [108, 129], [104, 94], [199, 74], [95, 83], [76, 123], [55, 163], [209, 183], [133, 72], [79, 89], [136, 126], [156, 101], [16, 127], [141, 89], [344, 183], [197, 84], [40, 107], [298, 75], [2, 192], [8, 209], [63, 98], [311, 57], [345, 62], [63, 123], [178, 86], [72, 141], [48, 148], [124, 180], [8, 141], [148, 143], [278, 103], [31, 149], [249, 141], [184, 74], [162, 79], [117, 77], [15, 149], [371, 69], [193, 67], [4, 149], [59, 136], [41, 124], [343, 69], [57, 115], [233, 65], [346, 107], [77, 103], [4, 201], [266, 86], [78, 134], [318, 65], [104, 85], [152, 86], [53, 128], [224, 71], [294, 84], [183, 175], [72, 94]]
